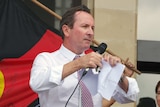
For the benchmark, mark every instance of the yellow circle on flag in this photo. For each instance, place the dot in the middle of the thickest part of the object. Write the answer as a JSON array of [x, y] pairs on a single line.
[[1, 83]]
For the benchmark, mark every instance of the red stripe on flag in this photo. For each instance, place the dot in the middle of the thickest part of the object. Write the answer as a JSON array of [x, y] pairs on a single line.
[[16, 72]]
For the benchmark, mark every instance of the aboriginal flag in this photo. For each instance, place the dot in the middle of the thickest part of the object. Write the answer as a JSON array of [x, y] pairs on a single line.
[[22, 37]]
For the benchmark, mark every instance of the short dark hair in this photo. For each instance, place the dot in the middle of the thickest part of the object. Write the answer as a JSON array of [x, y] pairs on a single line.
[[157, 86], [146, 102], [68, 17]]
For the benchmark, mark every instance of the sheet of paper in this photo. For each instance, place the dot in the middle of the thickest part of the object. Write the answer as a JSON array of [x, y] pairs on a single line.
[[108, 79]]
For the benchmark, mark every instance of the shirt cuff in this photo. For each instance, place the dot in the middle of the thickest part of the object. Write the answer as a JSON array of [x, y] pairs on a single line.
[[131, 96]]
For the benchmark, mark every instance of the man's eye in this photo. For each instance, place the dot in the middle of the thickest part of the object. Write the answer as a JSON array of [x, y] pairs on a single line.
[[92, 28], [85, 26]]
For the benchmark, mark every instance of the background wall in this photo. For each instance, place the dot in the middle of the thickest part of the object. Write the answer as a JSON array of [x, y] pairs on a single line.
[[148, 20], [115, 24]]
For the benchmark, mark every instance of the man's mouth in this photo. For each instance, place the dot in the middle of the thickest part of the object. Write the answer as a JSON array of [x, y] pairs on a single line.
[[89, 40]]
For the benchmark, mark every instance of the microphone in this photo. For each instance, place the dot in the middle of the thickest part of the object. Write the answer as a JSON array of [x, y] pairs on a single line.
[[100, 49]]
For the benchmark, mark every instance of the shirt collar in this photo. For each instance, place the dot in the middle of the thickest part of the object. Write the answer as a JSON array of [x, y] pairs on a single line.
[[67, 53]]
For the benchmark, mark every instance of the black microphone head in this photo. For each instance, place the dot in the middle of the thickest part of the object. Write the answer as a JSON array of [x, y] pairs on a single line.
[[102, 48], [94, 48]]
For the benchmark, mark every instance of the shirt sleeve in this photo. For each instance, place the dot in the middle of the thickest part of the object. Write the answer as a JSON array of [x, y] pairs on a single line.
[[132, 94], [43, 75], [56, 75]]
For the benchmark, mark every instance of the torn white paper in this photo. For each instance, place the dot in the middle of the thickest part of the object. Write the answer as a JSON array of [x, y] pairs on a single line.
[[108, 79]]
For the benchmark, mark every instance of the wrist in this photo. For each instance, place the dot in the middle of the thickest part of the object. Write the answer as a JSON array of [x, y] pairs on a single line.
[[122, 78]]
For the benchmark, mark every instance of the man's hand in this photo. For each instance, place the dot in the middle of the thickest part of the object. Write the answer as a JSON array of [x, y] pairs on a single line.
[[91, 60], [112, 60]]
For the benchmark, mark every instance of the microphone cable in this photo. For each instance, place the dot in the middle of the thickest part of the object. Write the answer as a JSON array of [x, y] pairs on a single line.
[[84, 73]]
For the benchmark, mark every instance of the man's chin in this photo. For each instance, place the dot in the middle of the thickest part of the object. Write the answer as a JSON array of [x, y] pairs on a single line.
[[86, 47]]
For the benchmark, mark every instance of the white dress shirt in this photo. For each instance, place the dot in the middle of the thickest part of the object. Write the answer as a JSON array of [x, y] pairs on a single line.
[[46, 80]]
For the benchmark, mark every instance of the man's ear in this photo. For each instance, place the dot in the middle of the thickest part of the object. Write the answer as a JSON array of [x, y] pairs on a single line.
[[66, 30]]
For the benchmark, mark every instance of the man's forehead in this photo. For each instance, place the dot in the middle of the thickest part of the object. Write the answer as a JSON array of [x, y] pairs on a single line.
[[81, 15]]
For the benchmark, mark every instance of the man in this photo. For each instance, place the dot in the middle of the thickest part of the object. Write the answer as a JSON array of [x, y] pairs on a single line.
[[54, 76], [157, 91]]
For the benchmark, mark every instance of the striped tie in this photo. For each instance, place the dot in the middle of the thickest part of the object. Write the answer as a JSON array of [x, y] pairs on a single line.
[[86, 97]]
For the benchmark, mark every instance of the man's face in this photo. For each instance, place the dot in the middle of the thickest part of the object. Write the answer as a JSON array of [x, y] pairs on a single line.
[[81, 35], [158, 97]]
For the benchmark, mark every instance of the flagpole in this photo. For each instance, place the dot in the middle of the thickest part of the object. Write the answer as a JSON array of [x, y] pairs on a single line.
[[47, 9]]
